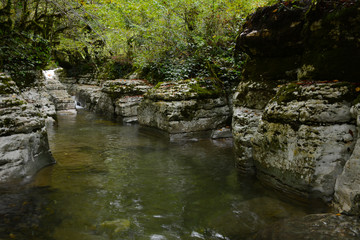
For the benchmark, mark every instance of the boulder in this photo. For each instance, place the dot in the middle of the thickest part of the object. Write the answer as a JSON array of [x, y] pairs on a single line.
[[185, 109]]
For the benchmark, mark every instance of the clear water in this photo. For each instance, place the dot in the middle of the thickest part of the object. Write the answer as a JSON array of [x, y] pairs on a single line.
[[115, 181]]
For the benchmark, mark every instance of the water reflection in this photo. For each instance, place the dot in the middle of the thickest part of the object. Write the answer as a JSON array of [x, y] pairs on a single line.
[[115, 182]]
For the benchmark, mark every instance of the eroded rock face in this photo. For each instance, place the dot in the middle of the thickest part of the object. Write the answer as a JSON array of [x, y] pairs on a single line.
[[347, 188], [299, 134], [121, 98], [249, 102], [24, 145], [185, 109], [87, 96], [115, 98], [22, 155], [305, 137]]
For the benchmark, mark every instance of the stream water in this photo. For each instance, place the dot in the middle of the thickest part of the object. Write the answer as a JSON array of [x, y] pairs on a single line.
[[115, 181]]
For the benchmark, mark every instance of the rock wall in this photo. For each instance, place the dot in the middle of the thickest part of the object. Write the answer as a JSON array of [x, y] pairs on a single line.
[[114, 98], [347, 188], [188, 109], [24, 147], [305, 136], [292, 121]]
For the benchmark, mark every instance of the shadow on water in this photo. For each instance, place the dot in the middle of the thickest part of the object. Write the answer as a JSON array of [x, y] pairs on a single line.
[[23, 211], [113, 181]]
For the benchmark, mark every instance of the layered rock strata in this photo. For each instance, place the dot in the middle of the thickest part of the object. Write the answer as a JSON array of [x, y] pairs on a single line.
[[292, 124], [87, 96], [305, 136], [24, 147], [347, 188], [249, 102], [187, 109], [63, 102], [115, 98]]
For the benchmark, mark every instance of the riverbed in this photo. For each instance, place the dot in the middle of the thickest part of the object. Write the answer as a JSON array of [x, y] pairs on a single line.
[[118, 181]]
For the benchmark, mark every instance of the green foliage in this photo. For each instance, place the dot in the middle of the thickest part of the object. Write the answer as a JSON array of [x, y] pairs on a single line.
[[159, 40], [163, 40], [28, 29], [115, 68]]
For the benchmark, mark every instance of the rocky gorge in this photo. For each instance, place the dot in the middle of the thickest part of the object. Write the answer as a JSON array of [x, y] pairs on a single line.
[[294, 116]]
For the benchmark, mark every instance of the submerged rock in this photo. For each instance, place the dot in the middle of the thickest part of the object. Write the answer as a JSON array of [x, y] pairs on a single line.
[[115, 227], [186, 109]]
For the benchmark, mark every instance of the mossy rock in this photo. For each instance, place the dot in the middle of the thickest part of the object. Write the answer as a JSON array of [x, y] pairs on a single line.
[[7, 85], [329, 91], [194, 88], [124, 87]]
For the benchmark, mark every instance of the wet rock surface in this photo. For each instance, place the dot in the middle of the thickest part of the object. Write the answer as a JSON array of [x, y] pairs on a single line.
[[250, 100], [298, 135], [121, 98], [87, 96]]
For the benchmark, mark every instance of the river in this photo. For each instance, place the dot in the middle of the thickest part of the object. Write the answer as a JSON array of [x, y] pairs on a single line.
[[116, 181]]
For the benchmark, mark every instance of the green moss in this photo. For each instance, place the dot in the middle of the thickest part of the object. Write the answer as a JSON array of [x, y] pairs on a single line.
[[188, 112], [207, 87], [14, 102], [7, 122], [6, 85], [157, 86], [287, 93], [356, 100]]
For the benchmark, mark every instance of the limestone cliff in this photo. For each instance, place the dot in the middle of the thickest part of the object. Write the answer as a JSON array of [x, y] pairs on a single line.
[[292, 121], [24, 147]]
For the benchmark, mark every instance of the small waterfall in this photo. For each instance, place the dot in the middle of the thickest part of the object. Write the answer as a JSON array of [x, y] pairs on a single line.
[[64, 103], [77, 104]]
